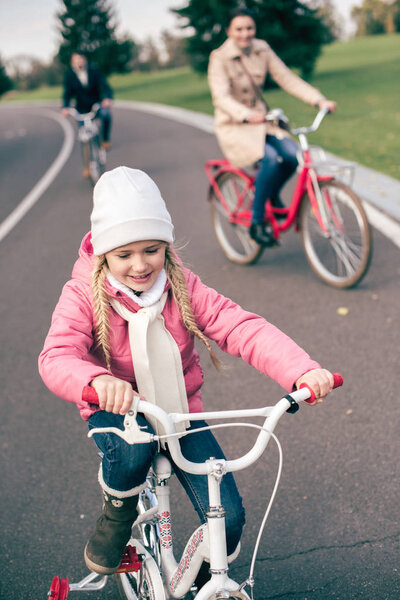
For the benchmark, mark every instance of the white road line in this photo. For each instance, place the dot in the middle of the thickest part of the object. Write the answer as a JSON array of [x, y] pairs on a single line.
[[33, 196], [383, 223]]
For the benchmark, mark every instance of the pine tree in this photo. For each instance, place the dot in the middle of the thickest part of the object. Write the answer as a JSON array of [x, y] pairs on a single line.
[[6, 83], [86, 26], [291, 27]]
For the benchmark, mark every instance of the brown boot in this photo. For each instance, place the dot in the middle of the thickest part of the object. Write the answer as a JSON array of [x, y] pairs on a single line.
[[106, 545]]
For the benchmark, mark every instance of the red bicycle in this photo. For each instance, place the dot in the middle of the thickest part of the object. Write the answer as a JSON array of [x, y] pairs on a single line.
[[335, 231]]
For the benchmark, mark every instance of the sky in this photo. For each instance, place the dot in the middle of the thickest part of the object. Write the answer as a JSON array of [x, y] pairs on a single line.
[[30, 26]]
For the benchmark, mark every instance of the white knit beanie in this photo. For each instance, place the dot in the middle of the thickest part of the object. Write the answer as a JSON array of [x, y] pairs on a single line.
[[128, 207]]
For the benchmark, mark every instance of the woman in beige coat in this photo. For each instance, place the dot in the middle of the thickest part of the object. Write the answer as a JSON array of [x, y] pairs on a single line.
[[236, 74]]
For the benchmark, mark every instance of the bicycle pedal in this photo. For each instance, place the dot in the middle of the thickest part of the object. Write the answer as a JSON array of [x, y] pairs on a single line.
[[131, 561]]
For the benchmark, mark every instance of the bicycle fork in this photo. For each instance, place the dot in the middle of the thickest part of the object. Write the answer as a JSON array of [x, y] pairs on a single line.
[[180, 576]]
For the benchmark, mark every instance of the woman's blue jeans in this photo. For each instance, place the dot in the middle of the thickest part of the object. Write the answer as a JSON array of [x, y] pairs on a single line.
[[277, 165], [126, 466], [106, 120]]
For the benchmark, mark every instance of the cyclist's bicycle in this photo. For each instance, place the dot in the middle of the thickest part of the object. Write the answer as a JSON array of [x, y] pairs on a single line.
[[93, 155], [148, 569], [335, 231]]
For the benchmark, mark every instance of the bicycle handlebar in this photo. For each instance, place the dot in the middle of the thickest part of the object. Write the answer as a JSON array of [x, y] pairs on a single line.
[[316, 123], [133, 434], [276, 115], [83, 116]]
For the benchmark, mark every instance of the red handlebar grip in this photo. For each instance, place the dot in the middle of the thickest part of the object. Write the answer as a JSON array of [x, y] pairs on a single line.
[[337, 382], [89, 394]]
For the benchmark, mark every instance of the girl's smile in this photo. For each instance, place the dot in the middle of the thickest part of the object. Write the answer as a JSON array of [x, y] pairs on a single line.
[[138, 264]]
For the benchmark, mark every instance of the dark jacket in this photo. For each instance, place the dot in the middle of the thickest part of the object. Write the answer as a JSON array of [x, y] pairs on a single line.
[[85, 96]]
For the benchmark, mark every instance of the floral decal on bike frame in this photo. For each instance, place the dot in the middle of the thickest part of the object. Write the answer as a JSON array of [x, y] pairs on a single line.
[[164, 520], [191, 548]]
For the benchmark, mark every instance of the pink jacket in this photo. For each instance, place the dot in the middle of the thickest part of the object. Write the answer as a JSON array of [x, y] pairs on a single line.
[[70, 360]]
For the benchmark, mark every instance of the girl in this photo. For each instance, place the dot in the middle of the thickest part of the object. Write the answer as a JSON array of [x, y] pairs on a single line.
[[236, 74], [127, 321]]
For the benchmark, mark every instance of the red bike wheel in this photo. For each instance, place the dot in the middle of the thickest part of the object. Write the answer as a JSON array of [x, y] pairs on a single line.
[[59, 588], [341, 255], [231, 222]]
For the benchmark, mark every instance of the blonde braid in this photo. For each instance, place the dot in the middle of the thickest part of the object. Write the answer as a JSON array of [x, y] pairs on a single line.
[[180, 292], [101, 307]]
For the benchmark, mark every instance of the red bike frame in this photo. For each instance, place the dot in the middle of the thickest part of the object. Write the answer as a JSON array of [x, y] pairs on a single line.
[[242, 216]]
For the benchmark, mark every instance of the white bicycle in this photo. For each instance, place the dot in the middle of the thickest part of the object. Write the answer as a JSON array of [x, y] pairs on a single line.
[[93, 155], [149, 570]]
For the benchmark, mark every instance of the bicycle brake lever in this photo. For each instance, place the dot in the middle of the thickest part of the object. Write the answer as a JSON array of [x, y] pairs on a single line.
[[132, 433]]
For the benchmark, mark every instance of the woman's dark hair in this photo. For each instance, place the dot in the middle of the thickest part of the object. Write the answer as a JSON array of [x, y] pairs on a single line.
[[239, 12]]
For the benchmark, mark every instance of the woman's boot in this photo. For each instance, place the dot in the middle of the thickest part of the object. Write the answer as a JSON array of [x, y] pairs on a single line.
[[106, 545]]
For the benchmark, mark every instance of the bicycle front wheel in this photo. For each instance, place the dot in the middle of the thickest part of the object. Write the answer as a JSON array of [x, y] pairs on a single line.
[[233, 238], [341, 255], [97, 160]]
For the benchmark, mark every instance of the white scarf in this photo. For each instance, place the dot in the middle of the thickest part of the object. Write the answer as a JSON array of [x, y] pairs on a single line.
[[145, 298], [156, 358]]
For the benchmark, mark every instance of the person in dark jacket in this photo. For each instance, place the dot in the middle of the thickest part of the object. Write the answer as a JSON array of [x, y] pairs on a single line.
[[85, 84]]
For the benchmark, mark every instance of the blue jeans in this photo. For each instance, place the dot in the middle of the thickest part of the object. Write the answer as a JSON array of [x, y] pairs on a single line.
[[105, 116], [277, 165], [126, 466]]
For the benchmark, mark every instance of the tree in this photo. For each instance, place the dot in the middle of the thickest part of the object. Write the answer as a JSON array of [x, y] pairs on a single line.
[[375, 17], [86, 26], [174, 49], [292, 28], [149, 57], [327, 13], [53, 72], [6, 83], [29, 73], [396, 15]]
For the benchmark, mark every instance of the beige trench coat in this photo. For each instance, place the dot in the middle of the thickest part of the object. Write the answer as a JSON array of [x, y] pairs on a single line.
[[234, 97]]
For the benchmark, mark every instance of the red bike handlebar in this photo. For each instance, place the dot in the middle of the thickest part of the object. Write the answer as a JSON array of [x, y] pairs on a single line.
[[89, 394], [337, 382]]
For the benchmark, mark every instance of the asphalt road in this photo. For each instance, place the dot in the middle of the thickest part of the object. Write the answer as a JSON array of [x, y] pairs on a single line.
[[333, 531]]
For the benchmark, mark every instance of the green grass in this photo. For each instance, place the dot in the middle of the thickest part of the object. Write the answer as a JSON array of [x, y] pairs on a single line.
[[362, 75]]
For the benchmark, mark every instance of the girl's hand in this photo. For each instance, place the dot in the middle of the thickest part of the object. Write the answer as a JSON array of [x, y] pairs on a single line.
[[320, 381], [115, 395]]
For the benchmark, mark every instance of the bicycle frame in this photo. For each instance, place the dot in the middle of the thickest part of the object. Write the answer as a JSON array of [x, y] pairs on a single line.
[[208, 542], [93, 155], [87, 126], [307, 181]]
